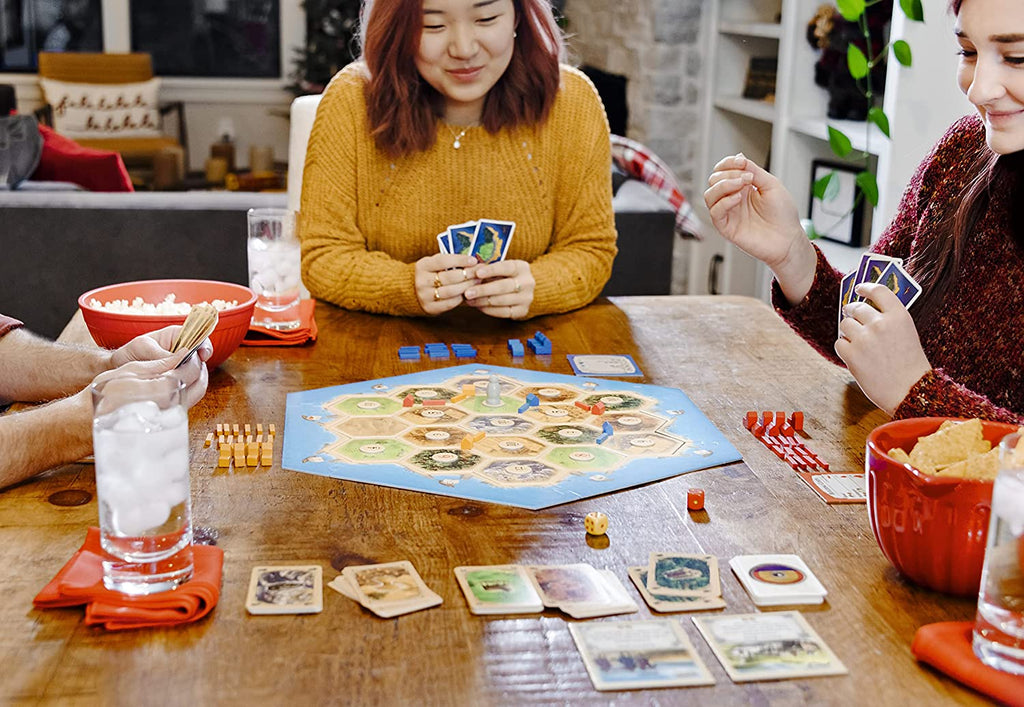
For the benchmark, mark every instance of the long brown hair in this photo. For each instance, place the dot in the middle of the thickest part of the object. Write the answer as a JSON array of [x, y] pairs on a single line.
[[402, 108]]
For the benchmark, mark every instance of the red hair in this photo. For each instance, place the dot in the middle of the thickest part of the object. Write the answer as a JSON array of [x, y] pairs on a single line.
[[402, 107]]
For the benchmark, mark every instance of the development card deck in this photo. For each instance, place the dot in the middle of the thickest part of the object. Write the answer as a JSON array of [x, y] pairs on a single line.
[[776, 646], [836, 487], [683, 575], [580, 590], [777, 580], [285, 589], [498, 589], [631, 655], [666, 603], [388, 589], [611, 365]]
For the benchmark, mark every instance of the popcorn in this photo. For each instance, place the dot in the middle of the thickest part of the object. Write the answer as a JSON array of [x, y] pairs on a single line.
[[167, 306]]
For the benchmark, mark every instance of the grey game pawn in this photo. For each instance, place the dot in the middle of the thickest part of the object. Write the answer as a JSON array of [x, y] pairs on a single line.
[[493, 393]]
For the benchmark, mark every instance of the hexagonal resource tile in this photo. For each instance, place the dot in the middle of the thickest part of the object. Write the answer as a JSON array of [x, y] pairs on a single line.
[[362, 406], [549, 393], [424, 392], [500, 425], [521, 473], [579, 459], [614, 402], [480, 383], [657, 444], [478, 404], [634, 422], [444, 461], [509, 447], [435, 437], [369, 451], [549, 414], [367, 426], [563, 435], [430, 416]]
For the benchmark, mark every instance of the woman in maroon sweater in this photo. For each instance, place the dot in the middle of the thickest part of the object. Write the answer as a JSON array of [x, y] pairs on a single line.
[[959, 231]]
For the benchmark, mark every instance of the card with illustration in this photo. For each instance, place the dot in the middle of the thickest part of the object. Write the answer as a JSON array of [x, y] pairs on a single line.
[[498, 589], [442, 242], [569, 584], [611, 365], [899, 281], [460, 237], [389, 582], [777, 580], [833, 487], [846, 292], [686, 575], [870, 269], [288, 589], [631, 655], [492, 239], [776, 646], [666, 603]]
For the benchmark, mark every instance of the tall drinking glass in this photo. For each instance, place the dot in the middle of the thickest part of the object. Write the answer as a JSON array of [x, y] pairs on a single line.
[[274, 268], [999, 626], [140, 444]]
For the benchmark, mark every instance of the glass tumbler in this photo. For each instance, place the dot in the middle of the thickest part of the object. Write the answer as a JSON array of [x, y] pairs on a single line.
[[274, 268]]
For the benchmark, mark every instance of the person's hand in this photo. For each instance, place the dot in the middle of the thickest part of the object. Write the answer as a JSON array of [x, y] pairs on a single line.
[[880, 346], [752, 209], [153, 346], [442, 279], [506, 290], [193, 373]]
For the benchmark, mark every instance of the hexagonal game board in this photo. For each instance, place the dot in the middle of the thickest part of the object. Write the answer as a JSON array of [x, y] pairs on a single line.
[[551, 453]]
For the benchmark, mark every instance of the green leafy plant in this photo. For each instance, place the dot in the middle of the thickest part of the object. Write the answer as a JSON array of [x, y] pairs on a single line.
[[860, 66]]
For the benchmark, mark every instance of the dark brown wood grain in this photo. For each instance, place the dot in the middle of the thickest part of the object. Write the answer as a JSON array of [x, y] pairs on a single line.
[[729, 354]]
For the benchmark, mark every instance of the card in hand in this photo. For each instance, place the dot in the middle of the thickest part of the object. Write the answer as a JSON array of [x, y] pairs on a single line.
[[442, 242], [290, 589], [498, 589], [630, 655], [870, 269], [774, 646], [460, 237], [846, 292], [899, 281], [491, 240], [777, 580], [683, 575], [665, 603]]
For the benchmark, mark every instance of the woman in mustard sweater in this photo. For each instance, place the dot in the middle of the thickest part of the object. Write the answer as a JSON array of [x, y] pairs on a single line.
[[458, 110]]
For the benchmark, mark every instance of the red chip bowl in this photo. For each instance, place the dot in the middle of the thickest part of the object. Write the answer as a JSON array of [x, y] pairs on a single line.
[[113, 329], [932, 529]]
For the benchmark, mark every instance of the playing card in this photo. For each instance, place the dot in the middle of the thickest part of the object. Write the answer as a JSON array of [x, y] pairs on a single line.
[[491, 240], [666, 603], [498, 589], [613, 365], [777, 580], [442, 242], [846, 292], [836, 487], [618, 602], [628, 655], [683, 575], [774, 646], [390, 588], [342, 586], [870, 269], [899, 281], [460, 237], [288, 589], [559, 585]]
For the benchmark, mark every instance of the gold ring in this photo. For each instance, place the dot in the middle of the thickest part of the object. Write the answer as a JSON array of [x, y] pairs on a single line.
[[437, 279], [510, 311], [517, 285], [437, 295], [489, 301], [465, 275]]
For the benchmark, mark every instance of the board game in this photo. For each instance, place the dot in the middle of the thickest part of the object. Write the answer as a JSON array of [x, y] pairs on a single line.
[[418, 432]]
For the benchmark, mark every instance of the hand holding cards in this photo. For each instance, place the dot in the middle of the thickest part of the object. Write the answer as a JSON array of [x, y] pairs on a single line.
[[487, 239], [883, 270]]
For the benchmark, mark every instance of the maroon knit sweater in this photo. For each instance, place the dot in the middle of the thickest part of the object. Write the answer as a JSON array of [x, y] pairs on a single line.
[[976, 343]]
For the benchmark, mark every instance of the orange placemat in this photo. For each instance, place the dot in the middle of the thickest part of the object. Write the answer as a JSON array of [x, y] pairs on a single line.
[[306, 331], [946, 646], [80, 581]]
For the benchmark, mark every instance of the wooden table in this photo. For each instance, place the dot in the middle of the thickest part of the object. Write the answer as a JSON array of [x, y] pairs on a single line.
[[729, 354]]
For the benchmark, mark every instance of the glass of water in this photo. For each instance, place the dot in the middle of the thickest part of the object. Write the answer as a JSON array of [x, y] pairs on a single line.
[[140, 444], [999, 626], [274, 268]]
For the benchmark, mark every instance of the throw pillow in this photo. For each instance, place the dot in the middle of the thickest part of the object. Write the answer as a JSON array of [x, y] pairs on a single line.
[[64, 160], [104, 110]]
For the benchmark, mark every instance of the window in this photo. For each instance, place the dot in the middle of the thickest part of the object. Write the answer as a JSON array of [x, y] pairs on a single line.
[[28, 27]]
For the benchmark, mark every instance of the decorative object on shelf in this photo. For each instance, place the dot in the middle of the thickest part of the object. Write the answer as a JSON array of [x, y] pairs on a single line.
[[760, 83], [839, 215], [862, 73]]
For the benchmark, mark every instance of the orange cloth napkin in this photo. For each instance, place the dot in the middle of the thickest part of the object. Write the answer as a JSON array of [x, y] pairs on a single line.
[[306, 331], [947, 647], [80, 581]]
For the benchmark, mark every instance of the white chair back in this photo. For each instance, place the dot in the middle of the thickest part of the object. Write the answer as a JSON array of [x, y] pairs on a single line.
[[303, 114]]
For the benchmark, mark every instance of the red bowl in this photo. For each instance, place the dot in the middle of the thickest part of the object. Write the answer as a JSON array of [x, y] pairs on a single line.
[[113, 329], [932, 529]]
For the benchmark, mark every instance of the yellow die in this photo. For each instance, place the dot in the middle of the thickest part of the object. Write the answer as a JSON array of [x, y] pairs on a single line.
[[596, 523]]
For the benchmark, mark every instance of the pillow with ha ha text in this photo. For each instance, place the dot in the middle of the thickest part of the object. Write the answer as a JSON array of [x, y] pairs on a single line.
[[104, 110]]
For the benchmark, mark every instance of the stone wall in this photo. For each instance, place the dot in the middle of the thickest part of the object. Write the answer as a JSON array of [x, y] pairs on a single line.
[[657, 45]]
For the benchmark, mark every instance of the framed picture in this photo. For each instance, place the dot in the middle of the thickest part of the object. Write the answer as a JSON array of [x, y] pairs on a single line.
[[760, 82], [839, 216]]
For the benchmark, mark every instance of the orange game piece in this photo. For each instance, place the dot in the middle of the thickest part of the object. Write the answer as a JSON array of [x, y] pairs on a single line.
[[408, 401], [695, 499], [467, 443], [797, 421], [582, 406], [435, 402], [597, 408], [751, 419]]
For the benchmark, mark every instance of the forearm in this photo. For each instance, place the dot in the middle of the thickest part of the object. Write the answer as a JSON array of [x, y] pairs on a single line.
[[33, 368], [359, 280], [938, 395], [570, 279], [44, 437], [816, 317]]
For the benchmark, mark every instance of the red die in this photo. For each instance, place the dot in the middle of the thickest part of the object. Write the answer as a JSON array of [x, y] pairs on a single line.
[[695, 499]]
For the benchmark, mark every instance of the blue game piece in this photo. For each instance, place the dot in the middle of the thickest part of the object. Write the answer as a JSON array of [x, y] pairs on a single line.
[[532, 400], [540, 344], [515, 347], [601, 439], [408, 353], [608, 429], [523, 408], [463, 351], [437, 351]]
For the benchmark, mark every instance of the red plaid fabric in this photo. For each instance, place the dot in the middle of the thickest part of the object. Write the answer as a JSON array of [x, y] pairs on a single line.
[[640, 163]]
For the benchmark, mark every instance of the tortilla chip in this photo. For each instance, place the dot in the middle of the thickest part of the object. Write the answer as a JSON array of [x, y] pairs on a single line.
[[899, 455], [953, 442]]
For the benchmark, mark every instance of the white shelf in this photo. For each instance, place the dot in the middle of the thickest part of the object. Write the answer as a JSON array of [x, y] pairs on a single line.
[[768, 30], [760, 110], [864, 136], [843, 258]]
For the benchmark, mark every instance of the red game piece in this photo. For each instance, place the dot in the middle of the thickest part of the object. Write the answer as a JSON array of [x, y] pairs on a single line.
[[597, 408], [797, 421], [751, 419], [435, 401], [407, 401], [767, 418], [582, 406], [695, 499]]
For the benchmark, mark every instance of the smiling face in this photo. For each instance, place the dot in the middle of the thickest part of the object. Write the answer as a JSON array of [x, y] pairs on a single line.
[[465, 47], [991, 70]]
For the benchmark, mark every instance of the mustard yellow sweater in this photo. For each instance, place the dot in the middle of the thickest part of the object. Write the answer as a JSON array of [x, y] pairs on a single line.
[[366, 219]]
